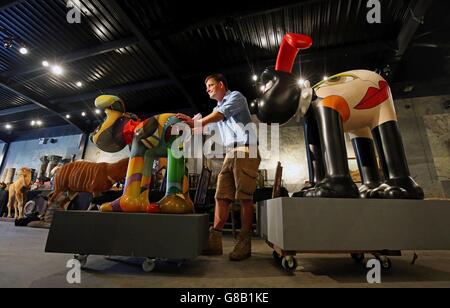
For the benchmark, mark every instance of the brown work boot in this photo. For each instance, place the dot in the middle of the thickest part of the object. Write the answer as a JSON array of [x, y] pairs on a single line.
[[243, 248], [214, 247]]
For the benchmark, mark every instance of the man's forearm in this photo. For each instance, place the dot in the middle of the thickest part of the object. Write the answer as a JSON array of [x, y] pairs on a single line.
[[212, 118]]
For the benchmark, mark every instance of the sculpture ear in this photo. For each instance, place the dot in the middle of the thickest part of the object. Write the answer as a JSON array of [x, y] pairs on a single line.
[[110, 102]]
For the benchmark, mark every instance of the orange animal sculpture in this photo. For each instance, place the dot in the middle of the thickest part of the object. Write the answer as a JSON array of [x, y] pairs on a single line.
[[17, 191], [88, 177]]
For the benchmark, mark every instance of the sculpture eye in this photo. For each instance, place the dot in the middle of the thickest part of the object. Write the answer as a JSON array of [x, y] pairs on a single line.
[[340, 79], [335, 79], [268, 86]]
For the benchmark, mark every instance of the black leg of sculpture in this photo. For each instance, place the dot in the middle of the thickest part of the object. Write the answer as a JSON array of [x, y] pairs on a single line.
[[398, 184], [367, 165], [314, 154], [337, 182]]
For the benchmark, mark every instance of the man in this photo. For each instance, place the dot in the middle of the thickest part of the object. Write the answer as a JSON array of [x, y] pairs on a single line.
[[237, 180]]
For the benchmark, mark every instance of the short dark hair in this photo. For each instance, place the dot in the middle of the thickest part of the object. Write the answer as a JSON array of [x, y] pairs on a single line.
[[219, 78]]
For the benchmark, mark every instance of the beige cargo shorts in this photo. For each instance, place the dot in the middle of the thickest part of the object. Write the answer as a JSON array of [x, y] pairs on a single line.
[[238, 177]]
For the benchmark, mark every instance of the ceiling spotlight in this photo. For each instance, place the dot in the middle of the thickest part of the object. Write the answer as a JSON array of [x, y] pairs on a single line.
[[325, 78], [98, 111], [83, 114], [67, 116], [301, 82], [8, 42], [23, 50], [45, 64], [57, 70], [39, 123], [33, 123], [255, 78], [79, 84], [8, 126]]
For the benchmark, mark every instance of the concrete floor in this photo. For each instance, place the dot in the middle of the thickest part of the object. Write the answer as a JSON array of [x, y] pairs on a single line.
[[23, 263]]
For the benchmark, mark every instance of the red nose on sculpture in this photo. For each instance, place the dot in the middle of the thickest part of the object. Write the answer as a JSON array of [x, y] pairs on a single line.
[[281, 93], [289, 49]]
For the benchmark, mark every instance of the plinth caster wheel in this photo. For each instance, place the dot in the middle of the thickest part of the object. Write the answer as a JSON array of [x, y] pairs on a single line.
[[277, 257], [82, 259], [149, 265], [358, 257], [386, 263], [176, 263], [289, 263]]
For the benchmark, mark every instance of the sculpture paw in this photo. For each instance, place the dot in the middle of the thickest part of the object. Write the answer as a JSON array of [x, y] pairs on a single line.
[[334, 187], [403, 188], [106, 208], [176, 204], [303, 191], [125, 204], [366, 189]]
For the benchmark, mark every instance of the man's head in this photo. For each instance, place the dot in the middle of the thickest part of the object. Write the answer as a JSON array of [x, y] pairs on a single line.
[[216, 86]]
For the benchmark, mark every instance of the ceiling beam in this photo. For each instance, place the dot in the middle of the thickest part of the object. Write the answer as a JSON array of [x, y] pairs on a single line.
[[416, 15], [4, 137], [76, 56], [307, 56], [260, 8], [149, 46], [21, 109], [6, 4], [118, 90], [39, 103]]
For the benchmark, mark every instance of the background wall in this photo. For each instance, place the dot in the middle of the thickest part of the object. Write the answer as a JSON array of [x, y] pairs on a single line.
[[28, 153], [94, 154], [425, 126]]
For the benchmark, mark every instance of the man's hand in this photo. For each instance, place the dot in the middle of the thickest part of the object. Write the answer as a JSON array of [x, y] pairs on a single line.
[[186, 119]]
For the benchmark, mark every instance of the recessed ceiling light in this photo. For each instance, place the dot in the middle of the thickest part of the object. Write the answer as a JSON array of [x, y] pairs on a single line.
[[57, 70], [301, 82], [8, 42], [79, 84], [67, 116], [33, 123], [8, 126], [23, 50], [45, 64], [325, 78], [83, 114], [39, 123], [255, 78], [98, 111]]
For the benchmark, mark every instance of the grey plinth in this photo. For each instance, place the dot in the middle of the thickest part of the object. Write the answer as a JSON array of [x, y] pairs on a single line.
[[129, 235], [341, 225]]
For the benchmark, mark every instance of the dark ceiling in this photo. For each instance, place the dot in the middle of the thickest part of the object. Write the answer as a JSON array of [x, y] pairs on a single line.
[[155, 54]]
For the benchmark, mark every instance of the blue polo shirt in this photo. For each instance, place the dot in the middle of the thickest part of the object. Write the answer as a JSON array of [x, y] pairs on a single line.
[[233, 130]]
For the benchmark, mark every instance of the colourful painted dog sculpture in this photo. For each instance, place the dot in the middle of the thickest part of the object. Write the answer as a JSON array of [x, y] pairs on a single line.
[[149, 139]]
